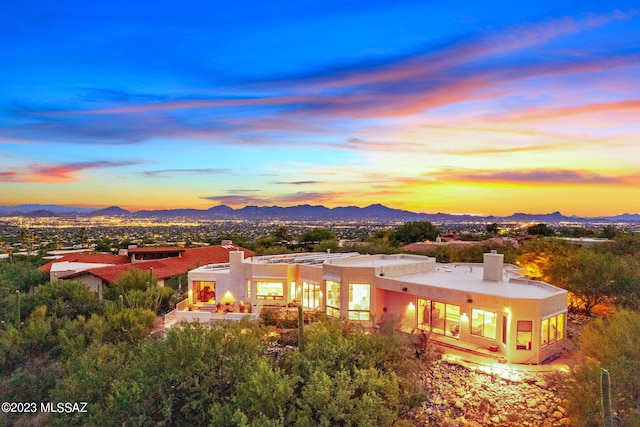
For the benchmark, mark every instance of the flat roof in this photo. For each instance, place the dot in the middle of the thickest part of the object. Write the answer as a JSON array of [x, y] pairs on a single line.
[[469, 278], [380, 260], [300, 258]]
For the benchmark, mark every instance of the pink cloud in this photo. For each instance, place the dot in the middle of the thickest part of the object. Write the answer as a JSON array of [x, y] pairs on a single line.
[[56, 173]]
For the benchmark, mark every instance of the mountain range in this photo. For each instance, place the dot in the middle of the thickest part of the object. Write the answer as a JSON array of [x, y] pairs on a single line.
[[376, 212]]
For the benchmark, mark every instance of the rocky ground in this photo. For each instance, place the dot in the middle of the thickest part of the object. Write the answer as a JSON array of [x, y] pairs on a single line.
[[462, 395]]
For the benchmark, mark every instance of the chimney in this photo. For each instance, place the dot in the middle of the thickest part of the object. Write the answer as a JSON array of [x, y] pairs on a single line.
[[493, 266], [236, 258], [226, 243]]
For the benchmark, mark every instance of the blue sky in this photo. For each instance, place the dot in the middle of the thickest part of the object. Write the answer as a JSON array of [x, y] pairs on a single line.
[[478, 107]]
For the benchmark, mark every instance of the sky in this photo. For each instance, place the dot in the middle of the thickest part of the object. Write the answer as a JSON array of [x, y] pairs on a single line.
[[489, 107]]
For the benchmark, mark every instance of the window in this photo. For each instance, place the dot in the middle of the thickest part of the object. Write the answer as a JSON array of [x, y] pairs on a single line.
[[248, 289], [292, 291], [544, 333], [424, 314], [310, 295], [439, 317], [204, 291], [483, 323], [333, 298], [524, 334], [504, 329], [560, 326], [269, 290], [359, 301], [552, 330], [452, 320]]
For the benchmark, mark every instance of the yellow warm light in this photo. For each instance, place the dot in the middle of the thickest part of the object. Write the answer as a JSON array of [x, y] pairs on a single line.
[[228, 298], [190, 296], [464, 317], [411, 307]]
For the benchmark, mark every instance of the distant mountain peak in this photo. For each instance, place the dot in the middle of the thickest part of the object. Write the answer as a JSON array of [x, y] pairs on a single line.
[[306, 212], [111, 210]]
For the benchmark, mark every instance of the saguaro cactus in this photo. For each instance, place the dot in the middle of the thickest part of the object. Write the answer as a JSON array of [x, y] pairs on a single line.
[[605, 390], [300, 328]]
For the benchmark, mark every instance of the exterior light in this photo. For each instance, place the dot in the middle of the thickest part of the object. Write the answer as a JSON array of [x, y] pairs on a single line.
[[411, 306], [464, 317]]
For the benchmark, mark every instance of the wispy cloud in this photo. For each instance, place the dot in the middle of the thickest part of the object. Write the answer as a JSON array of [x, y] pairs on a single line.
[[56, 173], [297, 182], [235, 200], [542, 177], [301, 197], [163, 173], [473, 69]]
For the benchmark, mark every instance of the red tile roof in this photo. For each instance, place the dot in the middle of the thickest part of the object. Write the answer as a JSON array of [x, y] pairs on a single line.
[[152, 249], [87, 258], [168, 267]]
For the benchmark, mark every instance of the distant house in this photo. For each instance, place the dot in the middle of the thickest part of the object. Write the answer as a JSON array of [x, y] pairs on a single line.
[[454, 242], [490, 306], [99, 270]]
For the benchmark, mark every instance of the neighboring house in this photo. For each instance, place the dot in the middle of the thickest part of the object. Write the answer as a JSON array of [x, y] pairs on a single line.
[[488, 306], [455, 243], [99, 270], [74, 262]]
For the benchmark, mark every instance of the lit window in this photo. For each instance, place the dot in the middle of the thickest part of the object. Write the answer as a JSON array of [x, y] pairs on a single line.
[[359, 301], [269, 290], [552, 330], [333, 298], [310, 295], [483, 323], [445, 319], [424, 314], [523, 338], [544, 333], [204, 291], [560, 326]]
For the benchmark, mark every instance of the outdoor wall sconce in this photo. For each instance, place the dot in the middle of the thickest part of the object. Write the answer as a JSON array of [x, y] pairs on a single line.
[[405, 289], [469, 299]]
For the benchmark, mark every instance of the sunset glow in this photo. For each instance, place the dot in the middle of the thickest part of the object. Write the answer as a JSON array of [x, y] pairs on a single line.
[[479, 107]]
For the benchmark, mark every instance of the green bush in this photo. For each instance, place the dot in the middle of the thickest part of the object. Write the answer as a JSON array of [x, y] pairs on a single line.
[[612, 344]]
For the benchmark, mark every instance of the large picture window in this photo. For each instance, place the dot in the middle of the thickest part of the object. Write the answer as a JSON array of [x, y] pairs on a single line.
[[424, 314], [269, 290], [439, 317], [483, 323], [333, 298], [359, 301], [204, 291], [524, 335], [310, 295], [551, 330]]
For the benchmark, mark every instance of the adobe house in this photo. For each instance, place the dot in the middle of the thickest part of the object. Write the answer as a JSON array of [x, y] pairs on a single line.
[[490, 305]]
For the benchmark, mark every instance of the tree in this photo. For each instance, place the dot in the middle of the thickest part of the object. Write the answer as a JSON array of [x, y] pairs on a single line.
[[416, 231], [317, 235], [540, 230], [492, 228], [609, 231], [63, 299], [136, 279], [588, 275], [610, 344]]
